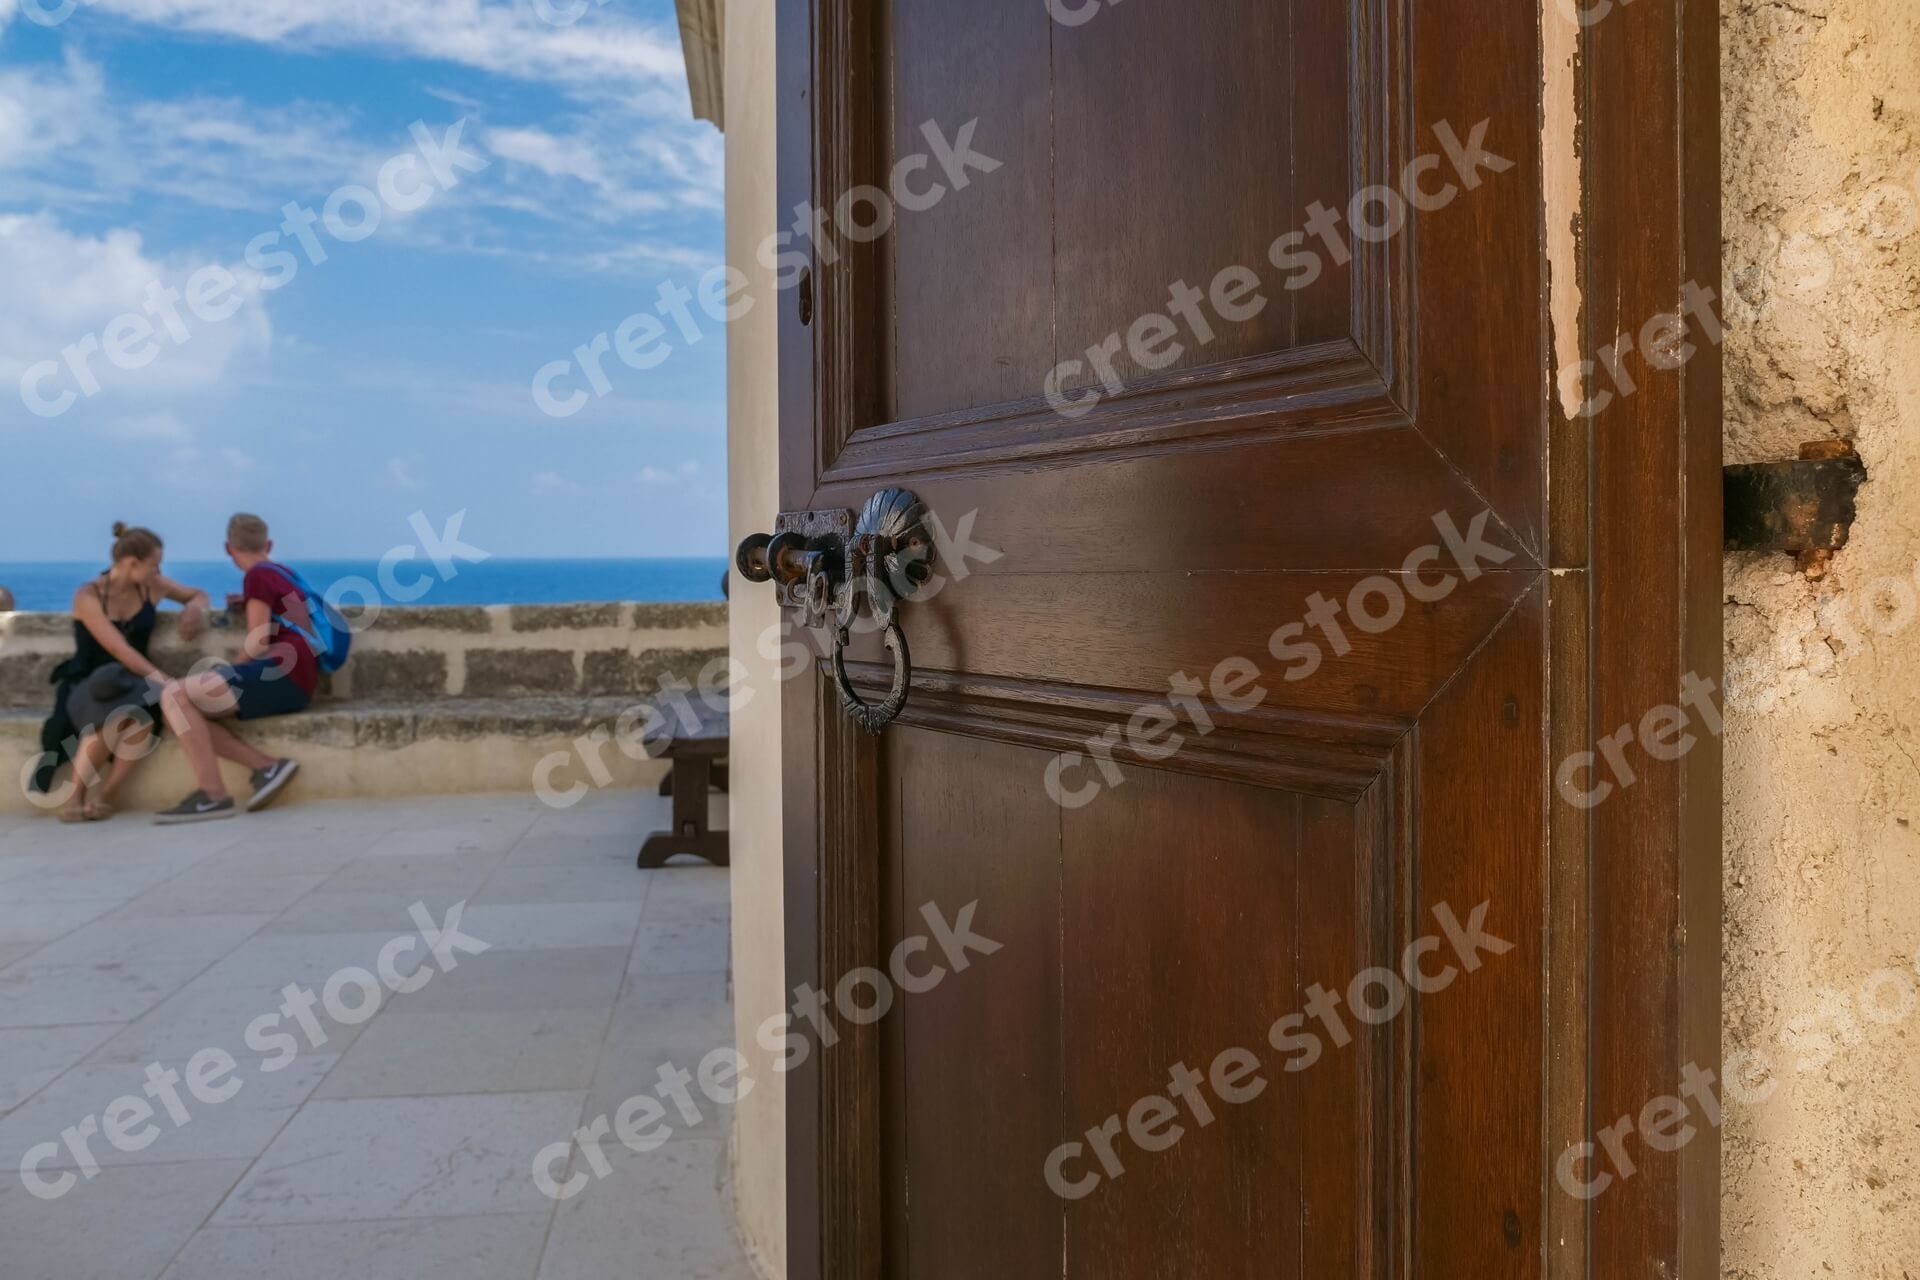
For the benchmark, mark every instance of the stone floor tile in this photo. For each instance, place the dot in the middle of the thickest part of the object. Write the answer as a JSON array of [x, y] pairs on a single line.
[[696, 943], [448, 839], [180, 940], [508, 981], [352, 1159], [12, 951], [195, 894], [502, 1247], [115, 970], [45, 921], [32, 1057], [319, 855], [576, 849], [629, 1068], [676, 1005], [566, 882], [535, 925], [238, 1128], [403, 1146], [658, 1214], [36, 995], [537, 1051], [124, 1224], [363, 911], [310, 959], [75, 883], [208, 1013], [691, 890], [449, 876]]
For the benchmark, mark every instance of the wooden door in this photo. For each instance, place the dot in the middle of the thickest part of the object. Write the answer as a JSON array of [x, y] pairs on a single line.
[[1171, 525]]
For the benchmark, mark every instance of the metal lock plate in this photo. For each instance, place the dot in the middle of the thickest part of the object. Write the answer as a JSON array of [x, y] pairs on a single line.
[[825, 530]]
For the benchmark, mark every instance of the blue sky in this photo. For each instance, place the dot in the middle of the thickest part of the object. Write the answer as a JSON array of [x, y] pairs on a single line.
[[144, 140]]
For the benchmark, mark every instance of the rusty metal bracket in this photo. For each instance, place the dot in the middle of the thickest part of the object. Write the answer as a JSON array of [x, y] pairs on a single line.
[[1805, 505]]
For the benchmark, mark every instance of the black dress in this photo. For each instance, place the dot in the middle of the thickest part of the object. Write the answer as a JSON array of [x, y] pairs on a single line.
[[59, 735]]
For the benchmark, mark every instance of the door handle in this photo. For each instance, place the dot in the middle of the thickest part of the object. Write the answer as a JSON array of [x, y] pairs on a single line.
[[836, 568]]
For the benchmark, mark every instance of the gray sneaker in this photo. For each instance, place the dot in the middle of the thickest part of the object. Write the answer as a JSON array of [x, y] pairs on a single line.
[[268, 781], [196, 808]]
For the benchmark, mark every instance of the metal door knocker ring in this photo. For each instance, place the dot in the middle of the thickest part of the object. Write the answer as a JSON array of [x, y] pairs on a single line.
[[873, 717], [833, 568]]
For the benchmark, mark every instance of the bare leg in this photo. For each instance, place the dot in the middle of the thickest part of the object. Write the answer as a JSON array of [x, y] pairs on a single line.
[[190, 725], [129, 749], [230, 746], [88, 763]]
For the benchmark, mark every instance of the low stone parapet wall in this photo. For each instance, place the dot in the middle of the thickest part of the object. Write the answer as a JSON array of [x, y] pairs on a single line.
[[494, 651], [434, 701]]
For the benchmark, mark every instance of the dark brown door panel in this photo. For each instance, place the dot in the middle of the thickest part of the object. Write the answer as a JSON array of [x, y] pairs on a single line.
[[1387, 800]]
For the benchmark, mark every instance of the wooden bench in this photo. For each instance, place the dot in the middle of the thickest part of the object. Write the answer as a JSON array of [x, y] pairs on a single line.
[[693, 749]]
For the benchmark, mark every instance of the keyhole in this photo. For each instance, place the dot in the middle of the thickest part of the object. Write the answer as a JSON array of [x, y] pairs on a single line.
[[806, 295]]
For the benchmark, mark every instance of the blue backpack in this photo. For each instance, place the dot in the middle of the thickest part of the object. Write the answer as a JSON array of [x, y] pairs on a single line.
[[332, 639]]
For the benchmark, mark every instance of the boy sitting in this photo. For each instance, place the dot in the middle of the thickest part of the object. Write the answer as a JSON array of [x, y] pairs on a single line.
[[276, 676]]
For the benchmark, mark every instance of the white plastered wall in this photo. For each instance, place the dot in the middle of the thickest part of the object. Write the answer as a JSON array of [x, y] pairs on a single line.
[[759, 940]]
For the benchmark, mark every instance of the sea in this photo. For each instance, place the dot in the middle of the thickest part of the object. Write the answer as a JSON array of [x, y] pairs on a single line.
[[47, 586]]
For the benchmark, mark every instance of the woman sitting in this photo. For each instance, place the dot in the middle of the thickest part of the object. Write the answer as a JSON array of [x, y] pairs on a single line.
[[108, 690]]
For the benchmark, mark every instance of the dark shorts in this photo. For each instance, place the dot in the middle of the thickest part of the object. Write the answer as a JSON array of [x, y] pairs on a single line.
[[262, 688], [113, 691]]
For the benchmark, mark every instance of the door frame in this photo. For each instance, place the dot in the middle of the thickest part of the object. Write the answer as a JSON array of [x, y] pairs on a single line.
[[1633, 941]]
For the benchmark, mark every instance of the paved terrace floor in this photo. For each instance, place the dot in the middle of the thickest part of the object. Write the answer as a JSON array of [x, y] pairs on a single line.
[[403, 1147]]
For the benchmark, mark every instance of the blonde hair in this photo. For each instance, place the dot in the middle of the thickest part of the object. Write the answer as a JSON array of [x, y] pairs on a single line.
[[247, 533], [134, 544]]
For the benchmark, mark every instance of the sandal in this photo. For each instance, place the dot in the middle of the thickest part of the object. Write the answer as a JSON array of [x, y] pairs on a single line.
[[73, 815], [97, 811]]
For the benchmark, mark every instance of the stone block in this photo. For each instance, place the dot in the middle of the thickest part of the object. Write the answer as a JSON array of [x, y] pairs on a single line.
[[24, 679], [463, 719], [506, 673], [390, 726], [35, 626], [411, 673], [678, 617], [325, 727], [468, 619], [612, 672], [565, 617]]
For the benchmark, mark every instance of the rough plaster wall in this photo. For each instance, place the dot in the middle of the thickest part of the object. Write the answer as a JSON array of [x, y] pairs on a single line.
[[1822, 187]]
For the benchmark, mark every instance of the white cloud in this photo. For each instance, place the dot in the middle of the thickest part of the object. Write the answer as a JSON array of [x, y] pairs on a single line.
[[45, 113], [400, 473], [655, 476], [639, 166], [555, 157], [68, 141], [470, 106], [65, 139], [151, 426], [502, 36], [63, 287], [548, 483], [204, 471]]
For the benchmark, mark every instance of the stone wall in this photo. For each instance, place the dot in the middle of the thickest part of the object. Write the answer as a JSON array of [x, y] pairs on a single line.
[[497, 651], [1822, 191], [434, 700]]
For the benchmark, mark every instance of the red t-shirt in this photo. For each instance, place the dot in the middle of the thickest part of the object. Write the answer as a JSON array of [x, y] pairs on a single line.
[[289, 649]]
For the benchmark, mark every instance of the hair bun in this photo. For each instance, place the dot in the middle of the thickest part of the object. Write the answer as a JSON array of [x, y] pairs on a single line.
[[119, 528]]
